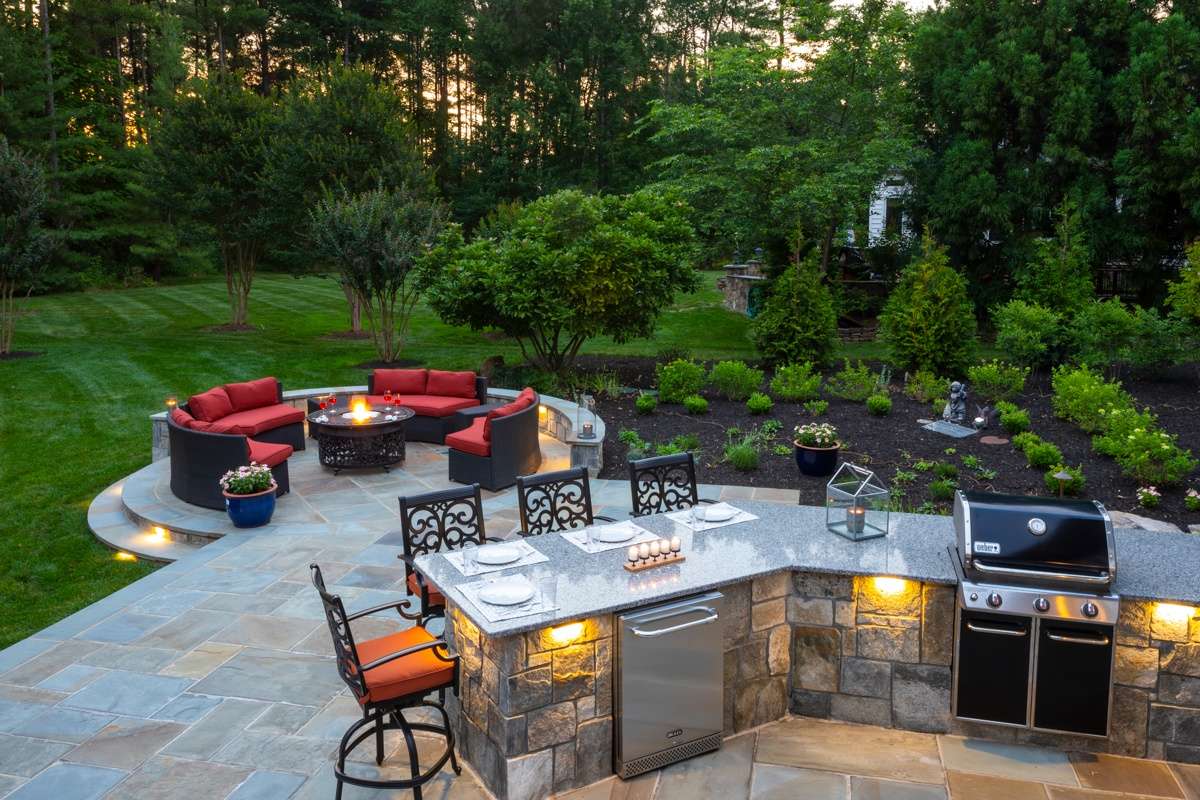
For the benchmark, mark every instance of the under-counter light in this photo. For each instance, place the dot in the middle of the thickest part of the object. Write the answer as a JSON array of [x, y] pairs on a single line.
[[565, 634], [159, 533], [121, 555], [890, 586], [1172, 612]]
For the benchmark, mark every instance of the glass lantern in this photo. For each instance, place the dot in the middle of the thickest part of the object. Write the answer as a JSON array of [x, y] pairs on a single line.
[[857, 504], [585, 416]]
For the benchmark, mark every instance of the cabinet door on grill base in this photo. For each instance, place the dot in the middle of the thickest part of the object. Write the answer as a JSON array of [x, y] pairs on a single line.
[[1074, 677], [992, 670]]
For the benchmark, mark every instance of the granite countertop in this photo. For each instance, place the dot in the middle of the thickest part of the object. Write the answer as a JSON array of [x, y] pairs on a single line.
[[1150, 565]]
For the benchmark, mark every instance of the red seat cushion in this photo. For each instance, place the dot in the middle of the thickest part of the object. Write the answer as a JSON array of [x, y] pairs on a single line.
[[258, 420], [451, 384], [400, 381], [268, 453], [436, 598], [471, 440], [414, 674], [210, 406], [253, 394], [435, 406]]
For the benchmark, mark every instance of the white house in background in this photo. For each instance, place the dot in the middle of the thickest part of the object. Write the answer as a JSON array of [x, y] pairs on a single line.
[[887, 214]]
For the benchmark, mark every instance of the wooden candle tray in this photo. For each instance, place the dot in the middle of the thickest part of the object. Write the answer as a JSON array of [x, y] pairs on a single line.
[[650, 563]]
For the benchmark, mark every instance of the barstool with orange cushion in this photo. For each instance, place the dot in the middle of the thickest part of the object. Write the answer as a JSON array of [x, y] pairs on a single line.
[[433, 523], [388, 675]]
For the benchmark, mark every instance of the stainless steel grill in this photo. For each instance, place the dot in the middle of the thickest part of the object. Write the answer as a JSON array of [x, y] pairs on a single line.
[[1034, 645]]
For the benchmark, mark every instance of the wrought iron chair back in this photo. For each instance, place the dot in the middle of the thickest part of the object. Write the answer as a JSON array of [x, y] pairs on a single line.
[[663, 483], [437, 521], [344, 650], [554, 501]]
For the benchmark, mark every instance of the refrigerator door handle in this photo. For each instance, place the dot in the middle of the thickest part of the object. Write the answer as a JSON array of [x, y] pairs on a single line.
[[712, 617]]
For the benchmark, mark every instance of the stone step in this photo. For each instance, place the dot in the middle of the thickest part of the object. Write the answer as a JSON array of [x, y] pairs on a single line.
[[110, 522]]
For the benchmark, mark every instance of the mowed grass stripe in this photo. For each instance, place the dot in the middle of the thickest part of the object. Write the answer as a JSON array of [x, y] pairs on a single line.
[[134, 310]]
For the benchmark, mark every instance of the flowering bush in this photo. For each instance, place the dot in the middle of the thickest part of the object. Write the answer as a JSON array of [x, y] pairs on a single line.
[[1148, 496], [247, 480], [1192, 500], [1152, 455], [816, 434], [1084, 397]]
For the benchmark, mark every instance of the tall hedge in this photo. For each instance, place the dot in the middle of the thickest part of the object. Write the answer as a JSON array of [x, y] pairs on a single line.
[[797, 322], [928, 321]]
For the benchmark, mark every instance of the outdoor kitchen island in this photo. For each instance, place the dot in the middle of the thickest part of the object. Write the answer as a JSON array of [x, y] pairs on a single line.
[[814, 624]]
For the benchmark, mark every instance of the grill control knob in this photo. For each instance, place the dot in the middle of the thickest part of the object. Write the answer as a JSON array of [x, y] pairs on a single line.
[[1041, 605], [994, 599], [1090, 609]]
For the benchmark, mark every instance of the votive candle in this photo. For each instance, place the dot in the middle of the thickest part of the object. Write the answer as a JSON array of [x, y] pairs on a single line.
[[633, 553], [675, 544], [856, 517], [655, 547], [643, 550]]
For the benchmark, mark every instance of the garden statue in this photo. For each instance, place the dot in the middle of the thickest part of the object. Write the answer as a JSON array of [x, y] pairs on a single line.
[[984, 417], [956, 408]]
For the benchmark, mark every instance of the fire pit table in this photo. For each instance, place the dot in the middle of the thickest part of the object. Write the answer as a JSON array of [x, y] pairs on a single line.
[[361, 436]]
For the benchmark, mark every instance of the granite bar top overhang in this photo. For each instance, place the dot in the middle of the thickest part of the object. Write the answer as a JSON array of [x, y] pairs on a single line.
[[1150, 565]]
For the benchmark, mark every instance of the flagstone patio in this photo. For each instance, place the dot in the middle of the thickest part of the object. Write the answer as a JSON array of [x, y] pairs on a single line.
[[213, 678]]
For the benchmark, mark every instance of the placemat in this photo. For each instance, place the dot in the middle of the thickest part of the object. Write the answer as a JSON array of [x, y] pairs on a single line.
[[494, 613], [530, 555], [577, 538], [684, 517]]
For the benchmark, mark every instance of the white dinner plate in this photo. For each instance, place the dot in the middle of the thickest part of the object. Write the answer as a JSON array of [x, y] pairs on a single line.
[[613, 533], [506, 593], [718, 513], [498, 554]]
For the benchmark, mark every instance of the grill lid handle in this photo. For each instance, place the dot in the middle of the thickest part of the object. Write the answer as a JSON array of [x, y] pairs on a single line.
[[1102, 579]]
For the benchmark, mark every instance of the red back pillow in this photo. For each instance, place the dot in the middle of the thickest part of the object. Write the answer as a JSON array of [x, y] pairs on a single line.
[[253, 394], [522, 402], [450, 384], [400, 381], [210, 406], [182, 418]]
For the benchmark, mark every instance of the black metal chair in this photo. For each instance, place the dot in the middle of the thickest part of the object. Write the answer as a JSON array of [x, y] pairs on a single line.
[[555, 501], [663, 483], [400, 671], [435, 522]]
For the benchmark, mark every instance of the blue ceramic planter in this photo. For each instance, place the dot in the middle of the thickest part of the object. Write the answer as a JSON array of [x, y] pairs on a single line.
[[817, 462], [250, 510]]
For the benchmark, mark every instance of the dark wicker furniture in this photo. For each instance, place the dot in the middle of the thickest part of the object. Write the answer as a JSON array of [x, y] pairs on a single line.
[[497, 448], [433, 523], [663, 483], [555, 501], [345, 444], [388, 675], [434, 417]]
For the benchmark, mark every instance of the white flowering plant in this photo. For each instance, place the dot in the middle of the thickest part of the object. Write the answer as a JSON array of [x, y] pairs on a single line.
[[1149, 496], [250, 479], [816, 434], [1192, 500]]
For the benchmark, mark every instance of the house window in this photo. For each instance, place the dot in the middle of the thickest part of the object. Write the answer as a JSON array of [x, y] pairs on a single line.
[[893, 218]]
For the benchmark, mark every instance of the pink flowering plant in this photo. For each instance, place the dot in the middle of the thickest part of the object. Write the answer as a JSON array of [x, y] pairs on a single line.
[[1149, 496], [1192, 500], [247, 480], [816, 434]]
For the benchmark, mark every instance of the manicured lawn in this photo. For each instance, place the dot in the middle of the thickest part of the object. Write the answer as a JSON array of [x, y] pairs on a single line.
[[74, 420]]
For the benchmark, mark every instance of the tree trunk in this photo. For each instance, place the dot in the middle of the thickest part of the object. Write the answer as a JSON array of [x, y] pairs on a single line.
[[8, 315], [240, 260], [356, 304], [44, 16]]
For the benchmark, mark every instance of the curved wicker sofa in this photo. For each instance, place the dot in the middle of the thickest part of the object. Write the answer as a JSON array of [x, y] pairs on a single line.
[[267, 434], [435, 406], [495, 449]]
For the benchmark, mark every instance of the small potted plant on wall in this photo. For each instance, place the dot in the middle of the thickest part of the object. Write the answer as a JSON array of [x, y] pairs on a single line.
[[817, 448], [249, 495]]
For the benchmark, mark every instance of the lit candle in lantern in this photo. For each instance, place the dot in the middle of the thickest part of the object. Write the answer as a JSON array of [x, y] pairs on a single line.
[[856, 519], [675, 544], [633, 553], [171, 402]]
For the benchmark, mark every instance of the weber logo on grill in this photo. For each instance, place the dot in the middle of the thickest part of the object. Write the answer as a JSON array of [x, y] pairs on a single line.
[[991, 548]]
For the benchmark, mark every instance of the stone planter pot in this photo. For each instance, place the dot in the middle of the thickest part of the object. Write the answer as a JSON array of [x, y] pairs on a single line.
[[251, 510], [817, 462]]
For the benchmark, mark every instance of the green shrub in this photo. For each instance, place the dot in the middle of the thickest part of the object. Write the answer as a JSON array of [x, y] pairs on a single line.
[[852, 382], [942, 490], [797, 322], [734, 379], [1102, 333], [928, 321], [796, 383], [689, 442], [1023, 441], [925, 387], [1121, 425], [1085, 397], [679, 379], [695, 404], [1159, 341], [1191, 500], [645, 403], [1060, 274], [1149, 497], [1154, 457], [1072, 486], [816, 407], [996, 380], [1012, 419], [638, 447], [742, 456], [1183, 295], [945, 471], [1043, 455], [1026, 332], [666, 449], [759, 403], [879, 405]]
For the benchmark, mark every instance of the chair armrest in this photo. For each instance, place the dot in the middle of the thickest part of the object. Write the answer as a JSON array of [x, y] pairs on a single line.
[[408, 651], [399, 605], [602, 518]]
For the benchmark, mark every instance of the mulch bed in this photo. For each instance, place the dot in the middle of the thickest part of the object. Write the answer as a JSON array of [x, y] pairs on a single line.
[[886, 444]]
